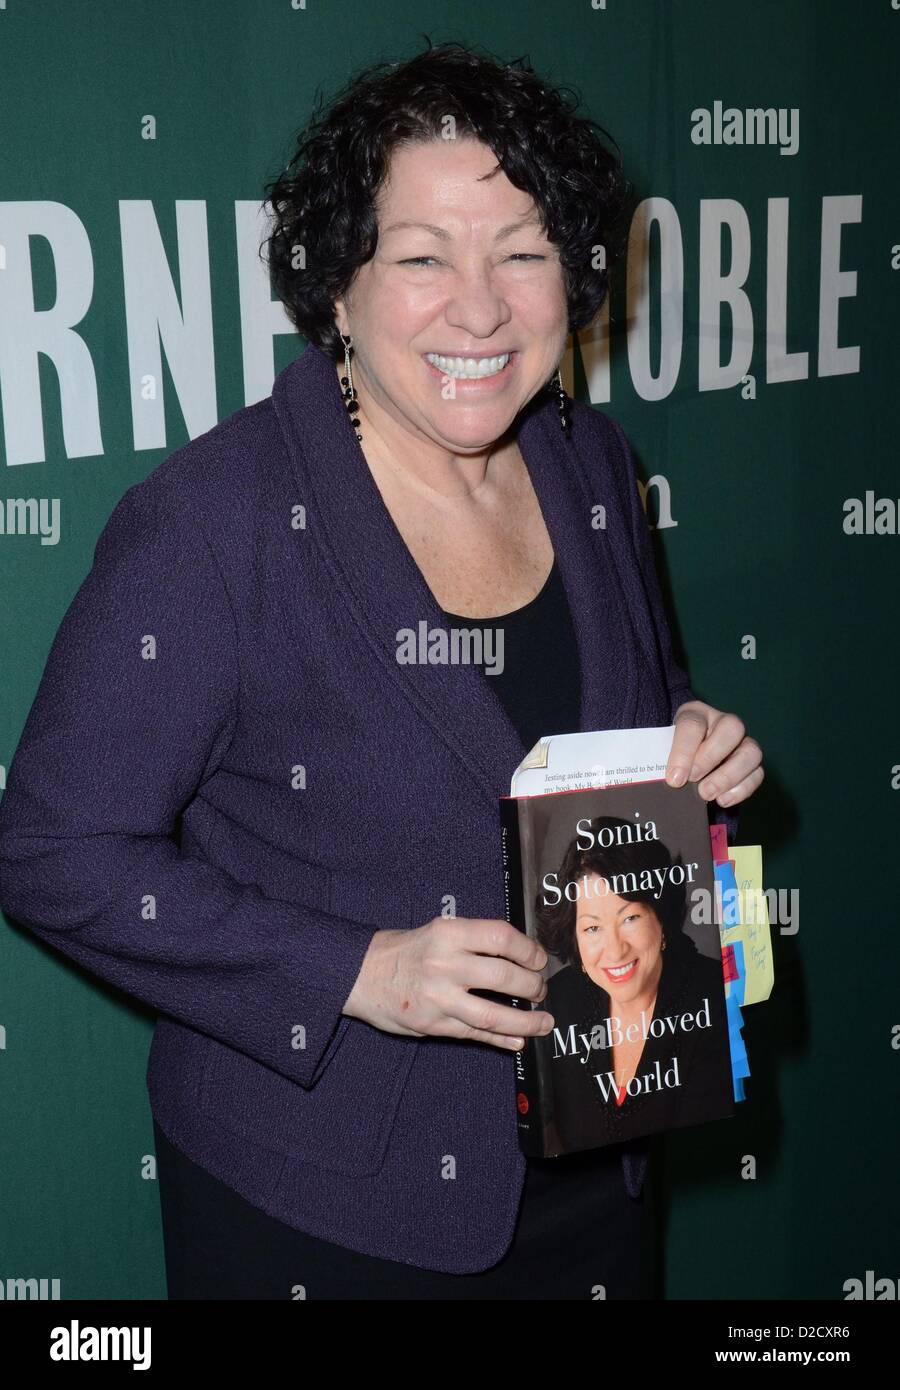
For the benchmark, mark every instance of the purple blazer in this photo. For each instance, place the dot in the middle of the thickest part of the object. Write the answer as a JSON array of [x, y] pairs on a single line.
[[227, 783]]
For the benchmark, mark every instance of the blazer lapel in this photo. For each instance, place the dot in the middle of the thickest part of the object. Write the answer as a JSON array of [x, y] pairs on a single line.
[[383, 591]]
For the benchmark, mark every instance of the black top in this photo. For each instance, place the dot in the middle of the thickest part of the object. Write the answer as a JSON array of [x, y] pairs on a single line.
[[540, 683]]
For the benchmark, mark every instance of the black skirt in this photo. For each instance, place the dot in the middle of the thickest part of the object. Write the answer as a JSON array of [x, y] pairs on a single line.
[[578, 1236]]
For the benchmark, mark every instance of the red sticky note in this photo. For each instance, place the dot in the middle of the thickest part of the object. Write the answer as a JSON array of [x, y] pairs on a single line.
[[718, 835], [729, 964]]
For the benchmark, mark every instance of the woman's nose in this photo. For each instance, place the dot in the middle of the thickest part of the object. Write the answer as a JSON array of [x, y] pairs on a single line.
[[476, 305], [615, 948]]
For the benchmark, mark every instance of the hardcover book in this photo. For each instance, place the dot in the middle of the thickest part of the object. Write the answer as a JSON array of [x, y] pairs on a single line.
[[611, 870]]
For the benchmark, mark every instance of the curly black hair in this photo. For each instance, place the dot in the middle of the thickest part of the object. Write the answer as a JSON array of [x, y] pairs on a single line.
[[556, 922], [323, 222]]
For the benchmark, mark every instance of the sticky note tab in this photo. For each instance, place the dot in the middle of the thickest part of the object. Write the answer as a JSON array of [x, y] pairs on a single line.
[[729, 964], [733, 962], [729, 898], [718, 835], [752, 925]]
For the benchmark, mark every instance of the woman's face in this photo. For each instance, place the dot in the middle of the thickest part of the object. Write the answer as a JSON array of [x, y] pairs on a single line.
[[480, 280], [620, 943]]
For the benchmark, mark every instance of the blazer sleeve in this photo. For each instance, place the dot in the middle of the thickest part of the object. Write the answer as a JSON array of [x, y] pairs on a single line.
[[677, 681], [114, 747]]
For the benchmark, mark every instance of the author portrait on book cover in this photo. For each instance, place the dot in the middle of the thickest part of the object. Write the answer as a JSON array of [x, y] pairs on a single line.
[[640, 1041]]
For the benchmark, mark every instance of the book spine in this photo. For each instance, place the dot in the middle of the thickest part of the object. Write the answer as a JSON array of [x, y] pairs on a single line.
[[528, 1095]]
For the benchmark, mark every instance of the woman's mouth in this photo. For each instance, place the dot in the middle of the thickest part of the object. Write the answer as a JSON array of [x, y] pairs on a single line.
[[618, 973], [472, 373]]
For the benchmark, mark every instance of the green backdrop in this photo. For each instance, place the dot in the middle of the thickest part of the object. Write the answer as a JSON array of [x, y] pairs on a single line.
[[94, 219]]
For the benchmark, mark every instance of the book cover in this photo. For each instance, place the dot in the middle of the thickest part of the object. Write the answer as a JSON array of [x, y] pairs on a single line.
[[616, 881]]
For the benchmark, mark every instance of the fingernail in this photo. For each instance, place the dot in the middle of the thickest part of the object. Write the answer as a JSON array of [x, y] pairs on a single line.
[[677, 777]]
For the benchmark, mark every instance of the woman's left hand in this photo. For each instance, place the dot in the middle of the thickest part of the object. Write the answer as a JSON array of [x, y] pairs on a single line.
[[711, 747]]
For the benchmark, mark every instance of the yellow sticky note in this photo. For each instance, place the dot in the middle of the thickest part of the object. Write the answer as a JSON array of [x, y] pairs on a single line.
[[753, 930]]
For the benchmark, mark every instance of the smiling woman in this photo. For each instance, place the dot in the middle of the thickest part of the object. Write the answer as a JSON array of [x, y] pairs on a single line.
[[449, 345], [286, 840]]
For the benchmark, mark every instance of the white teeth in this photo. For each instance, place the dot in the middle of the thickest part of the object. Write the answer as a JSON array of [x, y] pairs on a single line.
[[468, 368], [621, 969]]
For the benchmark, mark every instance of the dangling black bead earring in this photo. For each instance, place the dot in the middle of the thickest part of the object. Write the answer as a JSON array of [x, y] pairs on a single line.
[[562, 402], [350, 400]]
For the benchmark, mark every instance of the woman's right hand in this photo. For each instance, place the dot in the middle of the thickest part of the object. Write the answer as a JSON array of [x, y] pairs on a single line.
[[417, 982]]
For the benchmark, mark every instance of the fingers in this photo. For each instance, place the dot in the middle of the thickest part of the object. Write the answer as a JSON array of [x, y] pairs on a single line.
[[741, 790], [500, 975], [492, 937], [726, 761], [495, 956], [472, 1016], [728, 766], [725, 735], [691, 727], [495, 1039]]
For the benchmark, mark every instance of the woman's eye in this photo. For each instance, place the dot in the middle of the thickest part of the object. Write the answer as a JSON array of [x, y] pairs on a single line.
[[516, 256]]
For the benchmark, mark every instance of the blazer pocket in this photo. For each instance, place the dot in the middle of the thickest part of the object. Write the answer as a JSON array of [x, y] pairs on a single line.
[[343, 1122]]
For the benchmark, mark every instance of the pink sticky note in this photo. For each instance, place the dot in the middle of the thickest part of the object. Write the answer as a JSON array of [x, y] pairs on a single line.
[[718, 835]]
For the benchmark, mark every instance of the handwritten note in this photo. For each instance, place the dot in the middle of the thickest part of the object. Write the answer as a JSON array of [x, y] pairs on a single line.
[[752, 929]]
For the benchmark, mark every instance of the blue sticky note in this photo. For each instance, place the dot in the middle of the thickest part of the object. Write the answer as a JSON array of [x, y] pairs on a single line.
[[731, 898], [740, 1065]]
